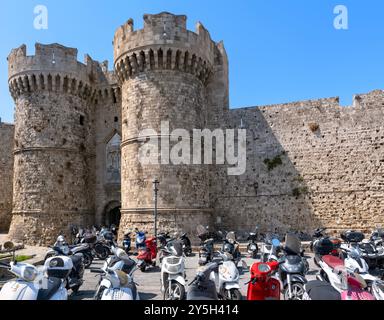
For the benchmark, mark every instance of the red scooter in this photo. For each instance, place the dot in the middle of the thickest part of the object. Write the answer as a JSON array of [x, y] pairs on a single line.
[[147, 255], [263, 286]]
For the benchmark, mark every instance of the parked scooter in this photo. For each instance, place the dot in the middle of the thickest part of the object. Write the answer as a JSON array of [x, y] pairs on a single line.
[[206, 245], [321, 241], [229, 288], [293, 270], [263, 285], [147, 254], [203, 286], [116, 281], [34, 284], [187, 245], [173, 271], [75, 279], [350, 285], [269, 251], [61, 247], [140, 239], [99, 246], [231, 246], [252, 247], [127, 242]]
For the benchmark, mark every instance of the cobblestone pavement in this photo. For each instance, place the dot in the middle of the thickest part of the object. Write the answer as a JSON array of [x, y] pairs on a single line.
[[149, 282]]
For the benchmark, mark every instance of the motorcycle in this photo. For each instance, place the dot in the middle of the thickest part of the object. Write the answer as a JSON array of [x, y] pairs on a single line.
[[293, 270], [62, 248], [127, 242], [34, 284], [116, 280], [372, 254], [206, 245], [203, 286], [263, 285], [252, 247], [173, 271], [377, 238], [98, 245], [229, 288], [147, 254]]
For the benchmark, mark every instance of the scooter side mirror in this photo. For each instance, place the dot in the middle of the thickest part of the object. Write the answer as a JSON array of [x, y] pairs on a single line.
[[9, 245]]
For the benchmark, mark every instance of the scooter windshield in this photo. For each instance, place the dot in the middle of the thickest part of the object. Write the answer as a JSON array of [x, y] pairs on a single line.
[[231, 237], [292, 244]]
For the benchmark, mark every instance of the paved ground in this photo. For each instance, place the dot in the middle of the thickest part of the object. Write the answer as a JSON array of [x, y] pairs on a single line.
[[149, 282]]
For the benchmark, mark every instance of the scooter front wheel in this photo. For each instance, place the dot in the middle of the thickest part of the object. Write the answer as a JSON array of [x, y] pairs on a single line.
[[233, 294], [176, 291], [297, 290]]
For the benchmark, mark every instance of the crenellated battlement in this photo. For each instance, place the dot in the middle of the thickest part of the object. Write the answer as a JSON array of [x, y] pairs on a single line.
[[55, 68], [163, 43]]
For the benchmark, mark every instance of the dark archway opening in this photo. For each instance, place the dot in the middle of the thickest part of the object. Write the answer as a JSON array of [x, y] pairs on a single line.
[[113, 217], [112, 214]]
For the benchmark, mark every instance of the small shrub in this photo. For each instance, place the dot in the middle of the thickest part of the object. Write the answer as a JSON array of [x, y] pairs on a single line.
[[272, 164], [299, 191], [313, 126]]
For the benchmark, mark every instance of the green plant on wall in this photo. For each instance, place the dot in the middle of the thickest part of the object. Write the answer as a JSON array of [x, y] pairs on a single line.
[[272, 164], [296, 192]]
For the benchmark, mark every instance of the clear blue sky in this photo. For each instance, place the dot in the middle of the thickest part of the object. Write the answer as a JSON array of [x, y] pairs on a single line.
[[279, 50]]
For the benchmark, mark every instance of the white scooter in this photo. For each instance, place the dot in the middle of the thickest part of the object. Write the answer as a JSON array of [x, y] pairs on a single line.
[[229, 276], [32, 283], [116, 281], [354, 262], [173, 271], [269, 251]]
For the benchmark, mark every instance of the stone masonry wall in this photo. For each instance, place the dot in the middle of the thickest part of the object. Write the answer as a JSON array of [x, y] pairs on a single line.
[[331, 170], [6, 174]]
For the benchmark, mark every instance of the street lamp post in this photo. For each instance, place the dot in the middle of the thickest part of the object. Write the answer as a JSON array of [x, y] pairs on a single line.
[[155, 190]]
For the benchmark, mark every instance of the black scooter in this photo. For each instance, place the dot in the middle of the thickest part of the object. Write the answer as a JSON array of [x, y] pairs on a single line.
[[292, 271], [252, 247], [75, 278], [187, 245], [206, 245], [203, 287]]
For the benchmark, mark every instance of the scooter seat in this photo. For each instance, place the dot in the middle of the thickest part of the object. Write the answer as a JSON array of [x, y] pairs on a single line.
[[53, 286], [321, 290], [333, 261]]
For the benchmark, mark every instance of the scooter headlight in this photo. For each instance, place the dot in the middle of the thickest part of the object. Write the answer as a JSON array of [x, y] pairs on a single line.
[[264, 268], [29, 274]]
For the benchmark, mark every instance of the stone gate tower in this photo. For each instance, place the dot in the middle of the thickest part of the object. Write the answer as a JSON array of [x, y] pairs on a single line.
[[164, 72], [53, 163]]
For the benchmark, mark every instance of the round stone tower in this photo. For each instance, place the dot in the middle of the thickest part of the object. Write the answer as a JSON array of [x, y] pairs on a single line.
[[163, 70], [53, 150]]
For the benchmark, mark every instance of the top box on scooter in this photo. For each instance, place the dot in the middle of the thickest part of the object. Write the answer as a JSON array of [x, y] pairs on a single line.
[[352, 236], [90, 239]]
